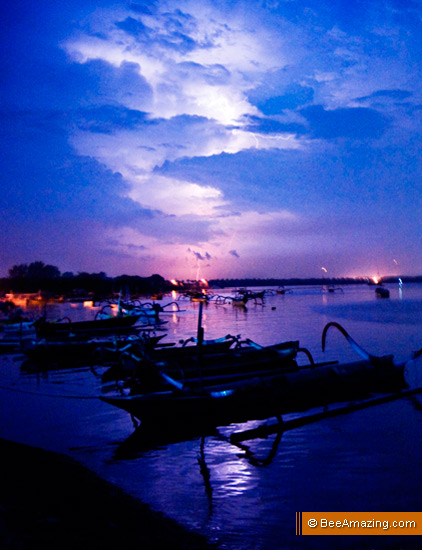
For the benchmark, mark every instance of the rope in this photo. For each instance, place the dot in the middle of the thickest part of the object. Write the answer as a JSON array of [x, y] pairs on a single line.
[[62, 396]]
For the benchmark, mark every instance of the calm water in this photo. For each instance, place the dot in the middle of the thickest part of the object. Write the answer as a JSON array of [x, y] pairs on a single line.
[[245, 497]]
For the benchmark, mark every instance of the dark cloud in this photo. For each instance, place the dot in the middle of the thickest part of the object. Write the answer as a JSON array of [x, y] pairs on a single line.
[[136, 247], [271, 126], [354, 123], [399, 95], [118, 85], [132, 26], [294, 96], [234, 253], [107, 119], [200, 256], [342, 176], [143, 8]]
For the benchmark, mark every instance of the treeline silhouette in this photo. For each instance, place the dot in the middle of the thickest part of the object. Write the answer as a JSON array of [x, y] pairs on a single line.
[[37, 276], [323, 281], [222, 283]]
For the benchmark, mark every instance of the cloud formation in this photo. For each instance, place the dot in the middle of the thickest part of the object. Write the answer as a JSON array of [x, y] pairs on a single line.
[[175, 134]]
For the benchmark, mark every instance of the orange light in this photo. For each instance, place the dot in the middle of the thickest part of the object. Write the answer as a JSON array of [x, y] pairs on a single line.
[[88, 303], [174, 282], [204, 282], [376, 280]]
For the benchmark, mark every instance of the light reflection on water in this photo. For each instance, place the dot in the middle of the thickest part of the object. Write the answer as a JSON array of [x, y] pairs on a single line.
[[245, 496]]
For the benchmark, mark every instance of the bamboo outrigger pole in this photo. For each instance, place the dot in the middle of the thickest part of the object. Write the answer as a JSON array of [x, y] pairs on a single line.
[[199, 340], [200, 332]]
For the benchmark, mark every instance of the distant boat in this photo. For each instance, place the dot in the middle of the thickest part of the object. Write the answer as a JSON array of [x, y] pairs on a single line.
[[331, 289], [382, 292]]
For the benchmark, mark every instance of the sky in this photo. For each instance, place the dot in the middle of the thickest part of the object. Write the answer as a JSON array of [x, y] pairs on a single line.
[[212, 139]]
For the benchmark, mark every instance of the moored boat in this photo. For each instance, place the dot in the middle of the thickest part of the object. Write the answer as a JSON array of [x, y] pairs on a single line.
[[64, 327], [259, 395], [382, 292], [162, 398]]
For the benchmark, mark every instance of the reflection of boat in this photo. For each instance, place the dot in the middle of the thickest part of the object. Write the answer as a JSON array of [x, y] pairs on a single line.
[[198, 297], [163, 397]]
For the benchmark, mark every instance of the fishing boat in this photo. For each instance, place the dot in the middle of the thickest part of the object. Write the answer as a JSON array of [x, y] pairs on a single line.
[[64, 327], [250, 295], [18, 329], [160, 397], [75, 352], [210, 360], [382, 292], [45, 353]]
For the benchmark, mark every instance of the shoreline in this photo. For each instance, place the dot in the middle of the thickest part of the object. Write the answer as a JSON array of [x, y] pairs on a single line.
[[50, 501]]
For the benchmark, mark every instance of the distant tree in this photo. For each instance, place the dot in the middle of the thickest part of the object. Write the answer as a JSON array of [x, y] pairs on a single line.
[[19, 271], [39, 270], [35, 270], [84, 275]]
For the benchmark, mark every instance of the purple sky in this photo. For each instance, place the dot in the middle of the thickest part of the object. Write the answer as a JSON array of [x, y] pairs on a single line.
[[212, 139]]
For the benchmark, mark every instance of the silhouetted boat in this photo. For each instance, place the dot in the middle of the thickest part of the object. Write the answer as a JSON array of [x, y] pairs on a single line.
[[162, 398], [64, 327], [382, 292], [209, 360], [258, 394]]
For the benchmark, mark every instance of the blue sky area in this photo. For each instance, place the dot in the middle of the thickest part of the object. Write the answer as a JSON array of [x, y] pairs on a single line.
[[212, 139]]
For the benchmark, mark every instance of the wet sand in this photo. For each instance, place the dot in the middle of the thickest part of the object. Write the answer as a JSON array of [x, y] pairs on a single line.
[[50, 501]]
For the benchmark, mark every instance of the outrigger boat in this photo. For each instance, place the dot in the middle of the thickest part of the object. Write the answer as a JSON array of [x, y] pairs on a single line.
[[81, 351], [160, 397], [64, 327], [212, 359], [382, 292]]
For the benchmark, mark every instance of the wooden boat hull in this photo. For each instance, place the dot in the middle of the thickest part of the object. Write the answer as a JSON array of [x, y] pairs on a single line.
[[46, 329], [382, 292], [262, 396], [212, 361]]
